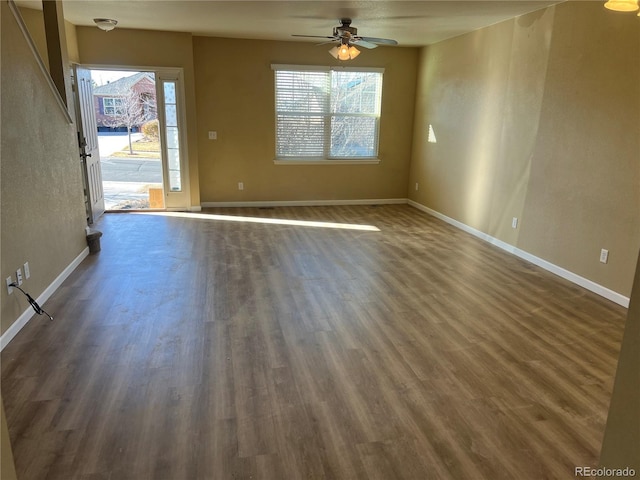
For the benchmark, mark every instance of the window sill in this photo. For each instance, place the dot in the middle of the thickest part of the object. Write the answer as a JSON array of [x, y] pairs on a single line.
[[352, 161]]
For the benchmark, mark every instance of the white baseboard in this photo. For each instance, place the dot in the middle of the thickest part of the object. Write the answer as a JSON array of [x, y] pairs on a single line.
[[561, 272], [307, 203], [196, 208], [23, 319]]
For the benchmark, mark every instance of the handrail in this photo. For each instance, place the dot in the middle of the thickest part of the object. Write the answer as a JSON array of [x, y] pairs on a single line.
[[36, 54]]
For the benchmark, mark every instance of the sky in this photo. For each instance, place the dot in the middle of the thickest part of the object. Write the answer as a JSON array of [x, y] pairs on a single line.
[[102, 77]]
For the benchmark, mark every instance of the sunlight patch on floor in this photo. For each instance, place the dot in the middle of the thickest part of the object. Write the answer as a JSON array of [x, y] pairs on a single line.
[[272, 221]]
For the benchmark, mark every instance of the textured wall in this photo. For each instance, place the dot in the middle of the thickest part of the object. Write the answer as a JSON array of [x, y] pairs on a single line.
[[43, 214], [235, 92], [622, 435], [537, 118]]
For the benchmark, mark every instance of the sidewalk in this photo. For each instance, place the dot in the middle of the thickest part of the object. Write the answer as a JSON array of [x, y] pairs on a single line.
[[126, 195]]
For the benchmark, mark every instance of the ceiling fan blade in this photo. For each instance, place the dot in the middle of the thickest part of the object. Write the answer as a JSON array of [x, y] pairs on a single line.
[[379, 41], [314, 36], [362, 43]]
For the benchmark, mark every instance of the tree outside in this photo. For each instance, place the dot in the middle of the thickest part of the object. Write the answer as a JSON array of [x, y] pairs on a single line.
[[134, 109], [126, 103]]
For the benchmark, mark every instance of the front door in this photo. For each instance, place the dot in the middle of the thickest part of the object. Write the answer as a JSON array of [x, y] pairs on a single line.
[[88, 140]]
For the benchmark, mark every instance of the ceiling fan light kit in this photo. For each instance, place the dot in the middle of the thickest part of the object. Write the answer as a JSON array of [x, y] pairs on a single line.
[[344, 52], [348, 38]]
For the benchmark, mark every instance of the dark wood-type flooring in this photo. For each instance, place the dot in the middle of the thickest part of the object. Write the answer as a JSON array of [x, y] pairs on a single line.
[[203, 348]]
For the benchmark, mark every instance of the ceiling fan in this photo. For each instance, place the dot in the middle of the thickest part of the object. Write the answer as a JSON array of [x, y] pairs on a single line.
[[348, 37]]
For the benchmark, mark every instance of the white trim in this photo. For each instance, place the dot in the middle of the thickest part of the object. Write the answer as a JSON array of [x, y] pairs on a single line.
[[299, 68], [350, 161], [550, 267], [179, 199], [126, 68], [195, 208], [322, 68], [23, 319], [307, 203], [339, 68]]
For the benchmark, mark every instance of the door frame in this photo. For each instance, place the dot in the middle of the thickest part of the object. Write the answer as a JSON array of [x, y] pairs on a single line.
[[174, 200], [176, 73]]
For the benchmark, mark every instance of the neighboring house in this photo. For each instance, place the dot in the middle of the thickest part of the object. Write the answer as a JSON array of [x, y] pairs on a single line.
[[127, 100]]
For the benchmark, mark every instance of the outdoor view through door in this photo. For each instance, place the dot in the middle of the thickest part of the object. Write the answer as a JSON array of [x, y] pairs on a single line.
[[126, 111]]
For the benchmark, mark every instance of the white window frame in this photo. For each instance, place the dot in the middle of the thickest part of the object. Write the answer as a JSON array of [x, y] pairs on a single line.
[[327, 159], [113, 108]]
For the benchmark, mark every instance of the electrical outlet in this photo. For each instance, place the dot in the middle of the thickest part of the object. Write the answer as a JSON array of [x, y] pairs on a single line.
[[604, 256], [19, 277], [27, 272], [514, 222], [213, 135], [417, 186], [240, 186], [9, 288]]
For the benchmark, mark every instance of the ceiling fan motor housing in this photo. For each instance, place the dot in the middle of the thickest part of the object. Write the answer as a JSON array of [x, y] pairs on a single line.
[[348, 36], [345, 28]]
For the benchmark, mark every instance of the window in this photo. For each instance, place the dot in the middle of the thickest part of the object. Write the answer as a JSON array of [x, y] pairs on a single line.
[[172, 134], [112, 106], [327, 113]]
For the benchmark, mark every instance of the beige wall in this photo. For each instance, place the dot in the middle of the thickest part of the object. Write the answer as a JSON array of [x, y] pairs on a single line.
[[72, 42], [235, 93], [584, 188], [43, 215], [622, 435], [145, 48], [537, 118], [34, 21], [35, 24]]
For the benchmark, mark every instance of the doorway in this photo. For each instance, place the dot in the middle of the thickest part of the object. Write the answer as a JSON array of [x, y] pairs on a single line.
[[136, 119], [125, 105]]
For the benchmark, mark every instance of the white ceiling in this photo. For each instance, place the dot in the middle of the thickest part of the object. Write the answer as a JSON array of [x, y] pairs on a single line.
[[411, 23]]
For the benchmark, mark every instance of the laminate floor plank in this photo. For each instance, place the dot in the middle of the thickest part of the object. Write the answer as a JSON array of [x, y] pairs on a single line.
[[375, 343]]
